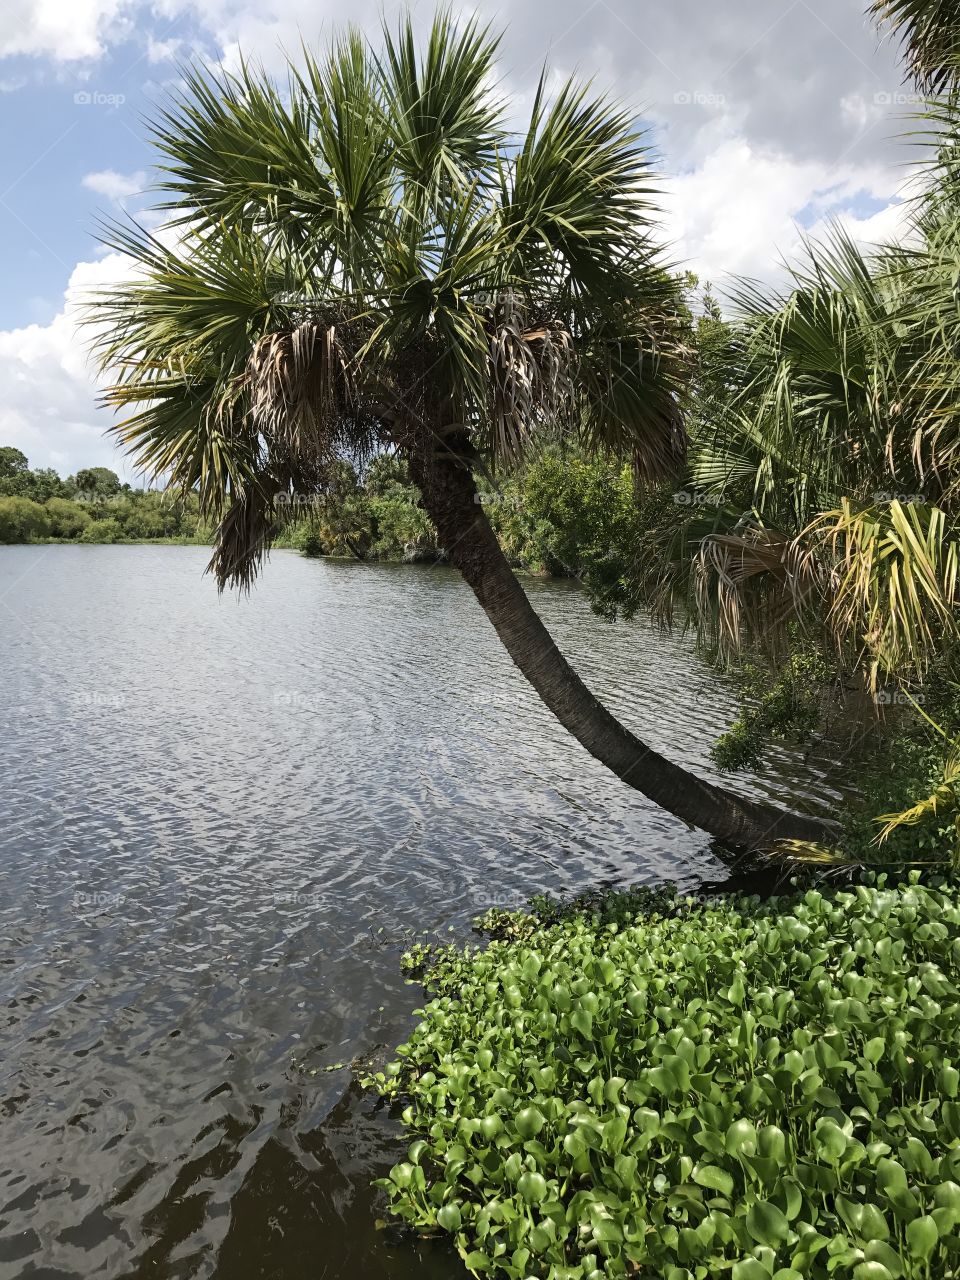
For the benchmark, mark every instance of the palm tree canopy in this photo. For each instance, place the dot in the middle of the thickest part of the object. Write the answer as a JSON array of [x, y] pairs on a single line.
[[832, 464], [930, 33], [370, 253]]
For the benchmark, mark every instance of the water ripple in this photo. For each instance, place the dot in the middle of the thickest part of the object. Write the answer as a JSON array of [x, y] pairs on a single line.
[[223, 823]]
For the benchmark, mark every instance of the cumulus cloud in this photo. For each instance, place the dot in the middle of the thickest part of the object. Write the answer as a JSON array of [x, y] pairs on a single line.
[[49, 404], [65, 30], [740, 211], [116, 187], [768, 120]]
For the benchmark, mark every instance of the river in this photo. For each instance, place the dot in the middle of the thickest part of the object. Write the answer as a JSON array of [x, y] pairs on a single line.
[[223, 821]]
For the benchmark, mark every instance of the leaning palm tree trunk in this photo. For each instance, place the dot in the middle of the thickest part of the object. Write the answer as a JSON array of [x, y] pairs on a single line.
[[374, 250], [450, 498]]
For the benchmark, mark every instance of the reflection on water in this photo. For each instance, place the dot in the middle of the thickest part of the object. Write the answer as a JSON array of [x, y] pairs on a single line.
[[223, 822]]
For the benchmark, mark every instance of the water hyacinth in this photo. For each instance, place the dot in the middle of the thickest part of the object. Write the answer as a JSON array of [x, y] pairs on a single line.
[[760, 1091]]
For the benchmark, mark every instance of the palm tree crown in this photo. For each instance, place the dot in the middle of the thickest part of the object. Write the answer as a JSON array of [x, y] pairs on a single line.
[[370, 255]]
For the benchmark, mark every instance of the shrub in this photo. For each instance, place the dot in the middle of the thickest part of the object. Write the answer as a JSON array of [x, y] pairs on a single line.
[[102, 531], [765, 1091], [67, 519], [22, 520], [786, 704]]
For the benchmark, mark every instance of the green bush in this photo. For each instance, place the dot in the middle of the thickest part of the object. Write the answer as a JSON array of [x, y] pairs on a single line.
[[107, 530], [730, 1088], [787, 703], [22, 520], [67, 519]]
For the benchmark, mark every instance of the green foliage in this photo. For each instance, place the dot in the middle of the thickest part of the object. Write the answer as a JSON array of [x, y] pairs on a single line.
[[374, 515], [402, 529], [22, 520], [97, 482], [570, 515], [13, 462], [105, 530], [766, 1091], [93, 506], [18, 481], [911, 766], [787, 704], [67, 519]]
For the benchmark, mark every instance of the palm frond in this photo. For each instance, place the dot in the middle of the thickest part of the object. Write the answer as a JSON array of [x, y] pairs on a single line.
[[751, 585], [894, 585], [301, 389], [929, 32], [366, 255], [944, 800], [444, 118]]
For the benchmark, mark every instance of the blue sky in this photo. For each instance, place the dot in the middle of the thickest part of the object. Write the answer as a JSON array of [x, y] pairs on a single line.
[[770, 116]]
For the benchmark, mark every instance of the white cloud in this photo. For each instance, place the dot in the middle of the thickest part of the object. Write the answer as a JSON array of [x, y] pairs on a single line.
[[65, 30], [49, 407], [765, 122], [117, 187], [738, 212]]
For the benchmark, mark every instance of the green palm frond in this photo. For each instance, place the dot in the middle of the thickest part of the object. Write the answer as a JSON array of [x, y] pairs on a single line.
[[929, 31], [578, 197], [894, 580], [809, 853], [367, 254], [825, 400], [442, 115]]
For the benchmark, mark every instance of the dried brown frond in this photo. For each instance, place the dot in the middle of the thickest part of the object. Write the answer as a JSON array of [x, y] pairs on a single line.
[[241, 539], [532, 372], [753, 583], [301, 388]]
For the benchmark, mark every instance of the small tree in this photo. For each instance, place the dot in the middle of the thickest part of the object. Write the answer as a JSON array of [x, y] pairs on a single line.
[[12, 462], [97, 482]]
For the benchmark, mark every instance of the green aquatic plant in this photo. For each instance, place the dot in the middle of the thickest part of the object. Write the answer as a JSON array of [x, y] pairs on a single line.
[[689, 1089]]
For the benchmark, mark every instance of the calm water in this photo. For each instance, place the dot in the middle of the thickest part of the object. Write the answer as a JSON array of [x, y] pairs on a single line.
[[222, 823]]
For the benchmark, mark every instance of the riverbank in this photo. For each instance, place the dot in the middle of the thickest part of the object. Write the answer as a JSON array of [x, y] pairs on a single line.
[[115, 542]]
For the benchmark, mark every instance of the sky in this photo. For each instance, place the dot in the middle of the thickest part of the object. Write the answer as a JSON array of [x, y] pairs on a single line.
[[770, 118]]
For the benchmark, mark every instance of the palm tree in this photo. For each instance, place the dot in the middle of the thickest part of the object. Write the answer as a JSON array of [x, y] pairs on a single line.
[[930, 33], [832, 460], [369, 262]]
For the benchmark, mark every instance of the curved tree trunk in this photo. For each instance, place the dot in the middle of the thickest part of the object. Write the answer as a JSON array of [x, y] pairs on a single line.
[[449, 495]]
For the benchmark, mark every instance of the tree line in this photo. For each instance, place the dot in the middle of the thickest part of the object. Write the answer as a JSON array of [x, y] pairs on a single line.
[[91, 506]]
